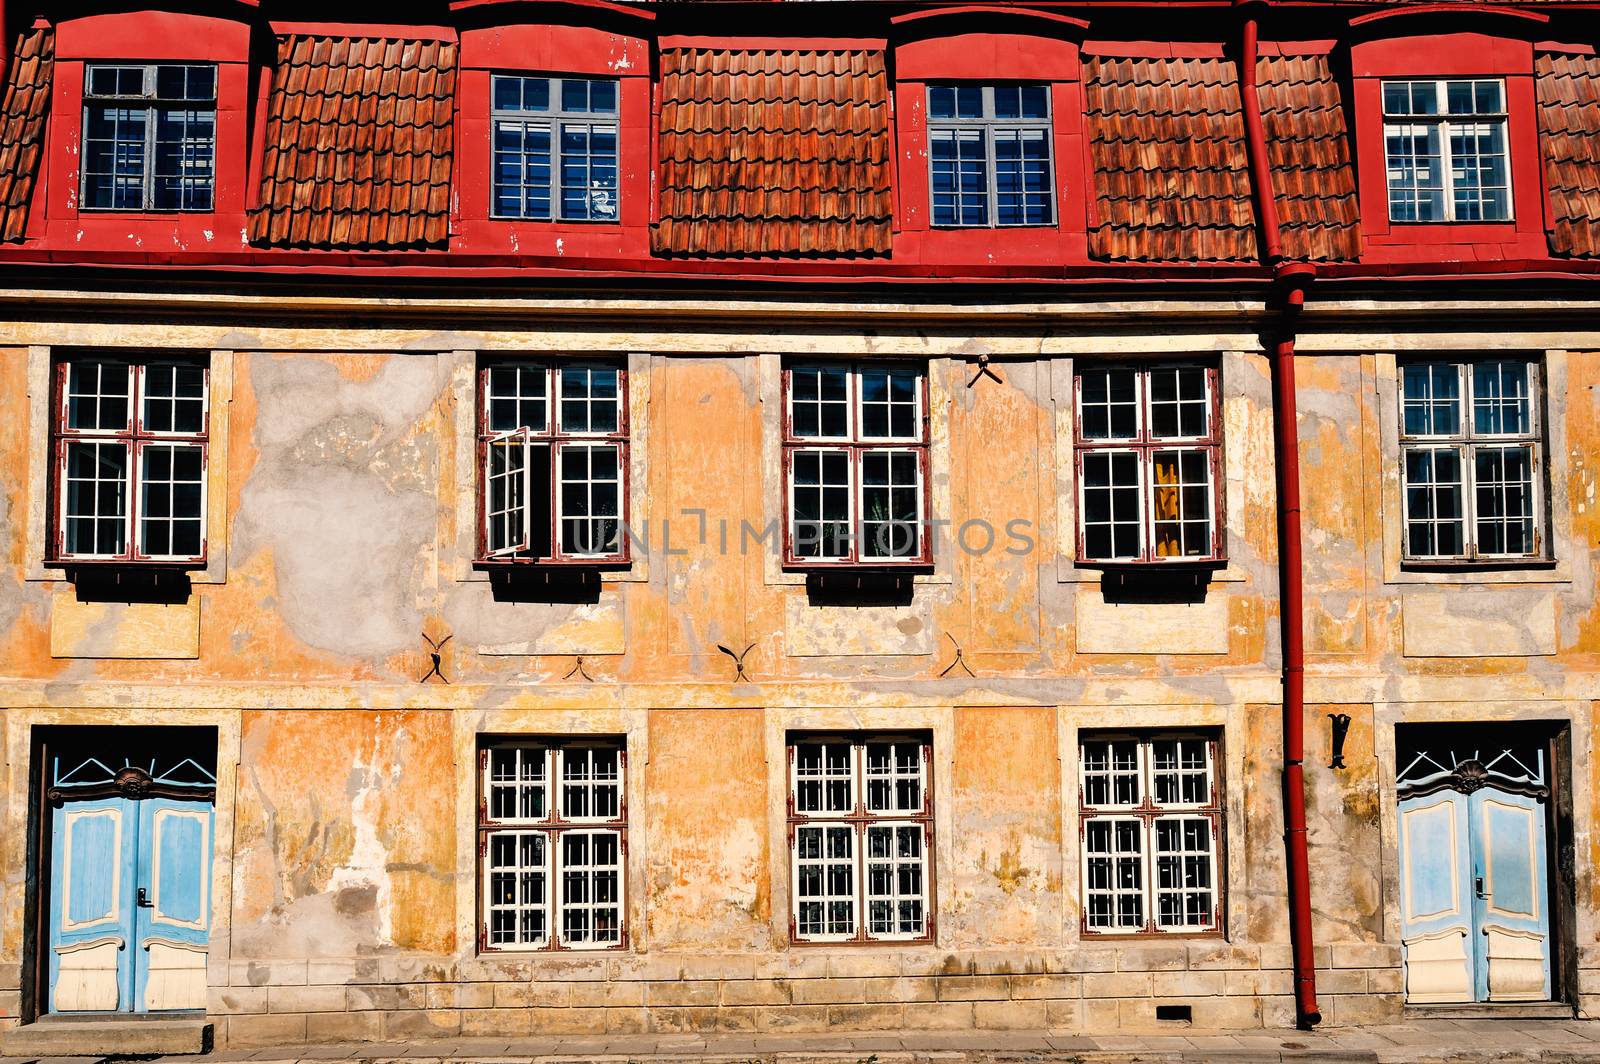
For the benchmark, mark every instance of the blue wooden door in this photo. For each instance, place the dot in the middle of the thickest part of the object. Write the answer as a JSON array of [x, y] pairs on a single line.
[[130, 905], [1474, 909], [92, 901], [1436, 912], [1511, 911]]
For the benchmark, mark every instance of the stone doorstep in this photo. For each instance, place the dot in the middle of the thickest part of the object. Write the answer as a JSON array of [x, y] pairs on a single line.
[[1535, 1010], [82, 1037]]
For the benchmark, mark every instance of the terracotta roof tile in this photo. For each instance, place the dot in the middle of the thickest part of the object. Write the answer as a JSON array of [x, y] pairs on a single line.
[[1166, 137], [22, 125], [1569, 132], [359, 141], [1309, 149], [773, 152]]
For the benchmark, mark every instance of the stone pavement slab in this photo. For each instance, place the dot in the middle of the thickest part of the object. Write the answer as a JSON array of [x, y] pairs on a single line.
[[1421, 1041]]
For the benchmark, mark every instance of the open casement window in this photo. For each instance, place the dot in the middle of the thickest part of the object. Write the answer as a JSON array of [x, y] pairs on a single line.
[[1149, 452], [855, 456], [552, 845], [129, 441], [1445, 147], [1472, 460], [861, 838], [553, 461], [1150, 820]]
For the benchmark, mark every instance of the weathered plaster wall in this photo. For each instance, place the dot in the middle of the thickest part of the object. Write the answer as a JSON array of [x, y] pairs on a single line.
[[353, 893]]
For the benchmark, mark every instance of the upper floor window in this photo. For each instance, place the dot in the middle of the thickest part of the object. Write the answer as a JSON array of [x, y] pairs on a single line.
[[855, 462], [1445, 143], [149, 137], [989, 155], [1149, 451], [1150, 812], [552, 844], [555, 148], [553, 448], [129, 471], [860, 838], [1471, 460]]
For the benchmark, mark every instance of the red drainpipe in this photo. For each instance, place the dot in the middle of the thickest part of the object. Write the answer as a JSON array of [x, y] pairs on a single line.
[[1293, 278]]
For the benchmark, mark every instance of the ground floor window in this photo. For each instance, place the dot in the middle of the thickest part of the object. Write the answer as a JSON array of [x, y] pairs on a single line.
[[1150, 833], [552, 844], [861, 838]]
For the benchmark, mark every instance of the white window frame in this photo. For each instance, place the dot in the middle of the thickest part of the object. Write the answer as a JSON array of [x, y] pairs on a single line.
[[134, 436], [859, 820], [1445, 122], [555, 825], [556, 439], [1147, 812], [856, 444], [1466, 443], [1144, 445]]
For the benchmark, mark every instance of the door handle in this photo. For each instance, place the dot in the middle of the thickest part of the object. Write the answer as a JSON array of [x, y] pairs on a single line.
[[1477, 888], [142, 899]]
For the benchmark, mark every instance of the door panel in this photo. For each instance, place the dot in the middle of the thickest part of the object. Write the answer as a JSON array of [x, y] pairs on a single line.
[[172, 926], [91, 906], [1435, 903], [1509, 863]]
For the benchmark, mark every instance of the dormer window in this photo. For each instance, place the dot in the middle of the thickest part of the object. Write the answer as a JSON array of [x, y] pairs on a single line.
[[989, 155], [555, 148], [1445, 146], [149, 137]]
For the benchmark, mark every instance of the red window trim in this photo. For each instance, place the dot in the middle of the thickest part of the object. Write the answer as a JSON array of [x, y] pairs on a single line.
[[1452, 54], [1214, 810], [1145, 445], [859, 818], [856, 447], [553, 825], [621, 437], [136, 438]]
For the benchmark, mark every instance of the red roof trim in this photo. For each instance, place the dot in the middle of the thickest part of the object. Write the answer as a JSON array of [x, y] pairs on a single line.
[[1153, 50], [986, 9], [603, 5], [775, 44], [364, 31], [1561, 48], [1449, 9]]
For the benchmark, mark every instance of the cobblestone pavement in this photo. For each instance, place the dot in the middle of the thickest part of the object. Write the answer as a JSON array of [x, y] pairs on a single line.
[[1418, 1042]]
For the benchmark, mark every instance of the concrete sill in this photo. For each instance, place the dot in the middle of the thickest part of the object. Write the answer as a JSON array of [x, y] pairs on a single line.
[[1489, 1010]]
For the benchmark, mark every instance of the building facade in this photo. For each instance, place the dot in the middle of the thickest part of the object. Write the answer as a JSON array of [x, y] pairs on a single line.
[[567, 515]]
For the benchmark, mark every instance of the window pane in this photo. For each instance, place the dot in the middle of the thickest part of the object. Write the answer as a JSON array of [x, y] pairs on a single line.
[[591, 783], [591, 499], [517, 787], [895, 878], [114, 157], [1431, 399], [517, 870], [1435, 524], [1415, 172], [824, 776], [959, 171], [518, 397], [821, 504], [889, 404], [174, 398], [825, 890], [819, 402], [1180, 771], [1108, 404], [588, 171], [591, 887], [1505, 500], [1181, 504], [591, 399], [171, 492], [522, 169], [1113, 888], [1183, 868], [96, 499], [1111, 510], [1500, 399], [1109, 773], [891, 511], [98, 395], [1023, 195], [894, 777], [1180, 407]]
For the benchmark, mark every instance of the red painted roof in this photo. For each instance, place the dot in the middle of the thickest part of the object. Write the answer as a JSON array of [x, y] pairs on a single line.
[[1171, 178], [774, 152], [1569, 133], [22, 125], [1309, 150], [360, 136]]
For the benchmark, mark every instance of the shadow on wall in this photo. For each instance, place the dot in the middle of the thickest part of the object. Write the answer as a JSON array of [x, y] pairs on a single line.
[[1185, 585], [167, 587], [536, 584]]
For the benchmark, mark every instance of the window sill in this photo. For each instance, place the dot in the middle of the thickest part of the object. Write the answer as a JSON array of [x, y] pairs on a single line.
[[1533, 571], [530, 565], [1487, 566]]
